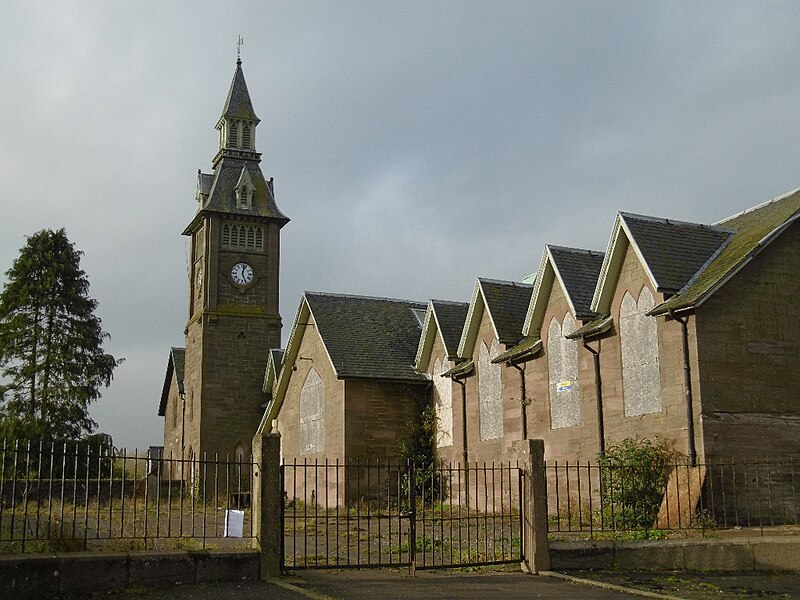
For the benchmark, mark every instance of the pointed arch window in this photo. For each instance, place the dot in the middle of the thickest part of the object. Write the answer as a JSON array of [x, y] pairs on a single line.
[[562, 367], [245, 197], [490, 398], [443, 401], [232, 131], [641, 374], [312, 414]]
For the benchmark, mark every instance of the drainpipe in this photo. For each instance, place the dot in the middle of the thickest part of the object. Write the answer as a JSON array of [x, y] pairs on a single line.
[[598, 387], [687, 386], [463, 385], [183, 431], [524, 399], [464, 454]]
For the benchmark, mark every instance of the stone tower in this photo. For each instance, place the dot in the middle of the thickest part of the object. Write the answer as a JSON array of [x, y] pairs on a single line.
[[234, 262]]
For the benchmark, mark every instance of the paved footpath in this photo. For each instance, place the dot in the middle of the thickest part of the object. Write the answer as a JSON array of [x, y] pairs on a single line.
[[378, 585], [383, 584]]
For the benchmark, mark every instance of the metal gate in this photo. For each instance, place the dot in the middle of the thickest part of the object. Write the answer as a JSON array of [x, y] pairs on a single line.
[[380, 513]]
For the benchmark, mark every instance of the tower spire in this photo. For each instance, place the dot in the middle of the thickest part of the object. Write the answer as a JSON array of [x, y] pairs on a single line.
[[237, 125]]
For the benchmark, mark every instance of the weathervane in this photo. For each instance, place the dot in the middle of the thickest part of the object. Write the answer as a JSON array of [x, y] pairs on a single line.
[[239, 45]]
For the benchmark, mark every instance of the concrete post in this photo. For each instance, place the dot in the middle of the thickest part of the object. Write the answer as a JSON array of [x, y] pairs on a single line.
[[536, 551], [266, 500]]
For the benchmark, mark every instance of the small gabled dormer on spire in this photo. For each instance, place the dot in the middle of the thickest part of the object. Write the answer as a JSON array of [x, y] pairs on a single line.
[[237, 125]]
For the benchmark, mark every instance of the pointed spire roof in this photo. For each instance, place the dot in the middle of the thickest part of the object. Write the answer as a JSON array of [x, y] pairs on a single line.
[[238, 104]]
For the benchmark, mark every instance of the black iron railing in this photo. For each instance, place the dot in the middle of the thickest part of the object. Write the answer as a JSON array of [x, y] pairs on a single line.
[[60, 497], [591, 500], [380, 513]]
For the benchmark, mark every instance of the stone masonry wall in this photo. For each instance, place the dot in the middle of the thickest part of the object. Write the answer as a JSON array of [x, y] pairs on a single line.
[[748, 335], [312, 354], [378, 416], [564, 443]]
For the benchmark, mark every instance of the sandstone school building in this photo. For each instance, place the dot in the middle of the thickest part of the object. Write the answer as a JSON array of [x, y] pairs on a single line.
[[687, 331]]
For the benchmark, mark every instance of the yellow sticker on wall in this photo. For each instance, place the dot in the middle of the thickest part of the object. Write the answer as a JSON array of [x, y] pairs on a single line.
[[563, 386]]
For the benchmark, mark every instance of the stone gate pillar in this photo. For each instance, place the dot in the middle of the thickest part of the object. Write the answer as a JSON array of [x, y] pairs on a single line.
[[535, 549], [266, 502]]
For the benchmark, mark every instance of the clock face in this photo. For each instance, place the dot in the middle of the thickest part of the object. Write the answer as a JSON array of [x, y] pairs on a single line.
[[242, 273]]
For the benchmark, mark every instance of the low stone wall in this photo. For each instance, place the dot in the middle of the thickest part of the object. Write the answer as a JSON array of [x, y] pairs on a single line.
[[752, 554], [37, 576]]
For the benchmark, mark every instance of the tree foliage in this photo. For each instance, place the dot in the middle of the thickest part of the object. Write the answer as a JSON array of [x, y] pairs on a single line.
[[418, 452], [51, 343]]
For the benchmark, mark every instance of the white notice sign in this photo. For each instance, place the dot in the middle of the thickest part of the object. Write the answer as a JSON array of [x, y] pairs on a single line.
[[234, 523]]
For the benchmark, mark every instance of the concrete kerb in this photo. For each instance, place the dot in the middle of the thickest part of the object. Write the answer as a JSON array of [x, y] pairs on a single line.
[[607, 586], [746, 555]]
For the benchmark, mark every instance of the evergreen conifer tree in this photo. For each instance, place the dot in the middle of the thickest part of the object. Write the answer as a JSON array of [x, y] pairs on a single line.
[[52, 363]]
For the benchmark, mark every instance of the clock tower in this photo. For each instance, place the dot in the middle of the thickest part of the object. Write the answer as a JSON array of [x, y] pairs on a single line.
[[234, 316]]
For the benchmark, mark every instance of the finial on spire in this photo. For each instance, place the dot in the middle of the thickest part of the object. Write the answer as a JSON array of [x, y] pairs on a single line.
[[239, 45]]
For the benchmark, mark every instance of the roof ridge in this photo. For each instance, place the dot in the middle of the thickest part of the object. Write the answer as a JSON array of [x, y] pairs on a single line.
[[452, 302], [504, 282], [576, 250], [360, 297], [757, 206], [667, 221]]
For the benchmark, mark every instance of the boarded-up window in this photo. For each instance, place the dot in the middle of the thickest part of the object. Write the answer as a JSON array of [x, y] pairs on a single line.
[[641, 380], [443, 401], [562, 366], [490, 393], [312, 414]]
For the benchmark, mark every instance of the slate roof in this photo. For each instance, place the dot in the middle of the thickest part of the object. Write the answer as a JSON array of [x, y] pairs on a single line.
[[754, 229], [175, 364], [368, 337], [222, 193], [450, 317], [238, 104], [276, 356], [674, 250], [579, 270], [507, 303]]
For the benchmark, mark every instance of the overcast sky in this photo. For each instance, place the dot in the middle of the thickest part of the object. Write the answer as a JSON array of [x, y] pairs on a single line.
[[414, 145]]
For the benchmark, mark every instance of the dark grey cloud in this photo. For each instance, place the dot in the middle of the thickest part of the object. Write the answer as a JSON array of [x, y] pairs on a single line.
[[414, 145]]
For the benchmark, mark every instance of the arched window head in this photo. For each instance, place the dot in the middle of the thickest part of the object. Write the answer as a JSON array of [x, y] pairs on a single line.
[[246, 137], [232, 131], [641, 375], [562, 367], [312, 414], [238, 453]]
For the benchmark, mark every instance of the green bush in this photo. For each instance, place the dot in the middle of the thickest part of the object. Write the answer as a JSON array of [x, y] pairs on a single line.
[[633, 478]]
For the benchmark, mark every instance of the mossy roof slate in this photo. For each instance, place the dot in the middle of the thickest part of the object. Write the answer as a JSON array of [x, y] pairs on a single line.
[[529, 345], [579, 270], [507, 303], [238, 104], [368, 337], [674, 250], [222, 194], [450, 317], [753, 230]]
